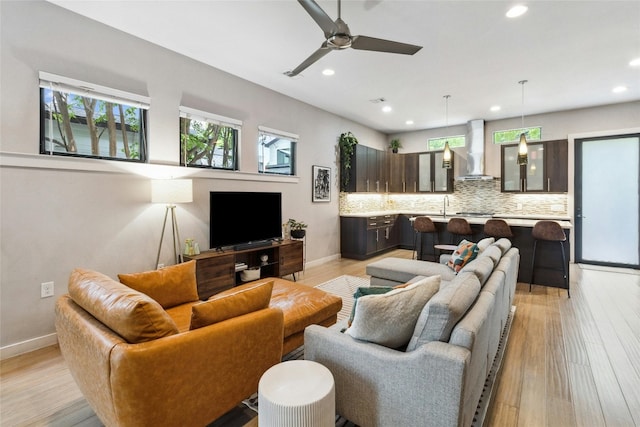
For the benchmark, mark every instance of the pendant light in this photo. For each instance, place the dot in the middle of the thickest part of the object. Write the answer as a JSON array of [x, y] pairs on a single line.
[[447, 156], [523, 157]]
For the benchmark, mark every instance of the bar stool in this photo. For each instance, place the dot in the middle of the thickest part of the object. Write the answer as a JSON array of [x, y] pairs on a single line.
[[497, 228], [549, 231], [423, 225], [458, 228]]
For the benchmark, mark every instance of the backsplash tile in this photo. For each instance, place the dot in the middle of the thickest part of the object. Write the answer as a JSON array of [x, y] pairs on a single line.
[[468, 196]]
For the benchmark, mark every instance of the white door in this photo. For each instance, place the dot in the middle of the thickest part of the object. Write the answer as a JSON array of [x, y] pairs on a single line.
[[608, 201]]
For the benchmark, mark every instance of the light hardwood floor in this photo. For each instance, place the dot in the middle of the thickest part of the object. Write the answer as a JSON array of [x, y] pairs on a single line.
[[568, 362]]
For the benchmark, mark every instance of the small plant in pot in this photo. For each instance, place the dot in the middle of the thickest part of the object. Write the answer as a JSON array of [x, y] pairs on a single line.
[[394, 145], [296, 228]]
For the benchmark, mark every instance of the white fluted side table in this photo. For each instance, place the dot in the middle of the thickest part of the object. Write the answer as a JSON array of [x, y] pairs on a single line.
[[297, 393]]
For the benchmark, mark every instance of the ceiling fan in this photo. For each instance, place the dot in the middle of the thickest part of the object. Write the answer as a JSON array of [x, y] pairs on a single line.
[[338, 37]]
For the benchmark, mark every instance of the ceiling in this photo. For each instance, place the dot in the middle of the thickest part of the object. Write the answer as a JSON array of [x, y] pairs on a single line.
[[573, 53]]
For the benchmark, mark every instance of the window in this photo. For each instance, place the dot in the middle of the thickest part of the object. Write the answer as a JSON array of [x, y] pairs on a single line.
[[437, 144], [513, 135], [276, 151], [86, 120], [208, 140]]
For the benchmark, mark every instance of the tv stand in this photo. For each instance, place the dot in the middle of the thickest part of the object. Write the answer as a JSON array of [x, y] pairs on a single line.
[[251, 245], [216, 271]]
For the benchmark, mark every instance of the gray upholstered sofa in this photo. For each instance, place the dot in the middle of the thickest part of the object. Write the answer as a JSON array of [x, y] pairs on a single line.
[[438, 379]]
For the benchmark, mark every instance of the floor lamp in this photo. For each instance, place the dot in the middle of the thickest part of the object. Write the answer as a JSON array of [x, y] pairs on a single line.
[[170, 192]]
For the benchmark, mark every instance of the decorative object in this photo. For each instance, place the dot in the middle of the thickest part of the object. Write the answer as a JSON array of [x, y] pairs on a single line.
[[394, 145], [523, 156], [446, 157], [297, 229], [170, 192], [346, 144], [264, 258], [321, 191]]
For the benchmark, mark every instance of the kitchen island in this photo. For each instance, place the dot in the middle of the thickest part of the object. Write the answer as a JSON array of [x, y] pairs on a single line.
[[364, 235]]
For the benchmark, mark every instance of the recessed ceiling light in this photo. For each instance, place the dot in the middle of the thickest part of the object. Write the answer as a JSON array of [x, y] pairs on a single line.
[[328, 72], [495, 108], [517, 10], [386, 109], [619, 89], [408, 122], [635, 62]]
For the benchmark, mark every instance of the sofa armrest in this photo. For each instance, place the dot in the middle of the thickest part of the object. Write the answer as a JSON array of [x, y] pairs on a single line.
[[376, 385], [200, 374], [190, 378]]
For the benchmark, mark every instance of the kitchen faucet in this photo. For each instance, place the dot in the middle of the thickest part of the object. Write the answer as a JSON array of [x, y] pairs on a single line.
[[445, 203]]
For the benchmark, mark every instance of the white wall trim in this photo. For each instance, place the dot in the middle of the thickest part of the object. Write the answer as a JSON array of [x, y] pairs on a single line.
[[148, 170], [27, 346]]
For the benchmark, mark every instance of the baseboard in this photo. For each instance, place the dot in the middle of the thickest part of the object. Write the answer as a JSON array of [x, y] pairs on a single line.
[[28, 346], [321, 261]]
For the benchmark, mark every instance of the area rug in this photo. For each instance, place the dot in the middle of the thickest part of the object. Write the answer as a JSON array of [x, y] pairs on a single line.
[[344, 286]]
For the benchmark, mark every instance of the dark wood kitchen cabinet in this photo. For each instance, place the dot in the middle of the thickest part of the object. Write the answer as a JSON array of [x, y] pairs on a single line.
[[362, 237], [432, 177], [545, 172]]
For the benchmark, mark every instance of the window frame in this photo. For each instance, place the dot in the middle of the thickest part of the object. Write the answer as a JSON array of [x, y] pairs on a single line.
[[78, 88], [454, 142], [517, 132], [291, 137], [206, 117]]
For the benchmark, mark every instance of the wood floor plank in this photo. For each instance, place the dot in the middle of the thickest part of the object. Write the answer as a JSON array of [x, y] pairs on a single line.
[[586, 405]]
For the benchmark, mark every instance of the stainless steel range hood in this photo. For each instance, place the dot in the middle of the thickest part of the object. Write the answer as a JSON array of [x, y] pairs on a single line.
[[475, 152]]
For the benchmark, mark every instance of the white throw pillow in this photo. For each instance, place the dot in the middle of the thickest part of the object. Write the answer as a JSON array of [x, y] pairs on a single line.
[[389, 319]]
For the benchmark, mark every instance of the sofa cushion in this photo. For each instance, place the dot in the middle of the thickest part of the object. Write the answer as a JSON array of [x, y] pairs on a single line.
[[369, 290], [504, 244], [444, 310], [133, 315], [485, 243], [389, 319], [234, 302], [170, 286], [482, 267], [493, 252], [401, 270], [464, 253]]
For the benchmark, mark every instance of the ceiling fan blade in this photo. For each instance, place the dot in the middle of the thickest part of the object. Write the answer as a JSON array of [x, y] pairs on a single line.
[[310, 60], [320, 16], [381, 45]]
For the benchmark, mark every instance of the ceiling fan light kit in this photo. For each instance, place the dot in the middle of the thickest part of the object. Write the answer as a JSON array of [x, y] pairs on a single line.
[[338, 37]]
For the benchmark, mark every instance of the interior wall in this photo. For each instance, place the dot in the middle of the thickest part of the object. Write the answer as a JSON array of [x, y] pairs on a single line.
[[58, 214], [557, 125]]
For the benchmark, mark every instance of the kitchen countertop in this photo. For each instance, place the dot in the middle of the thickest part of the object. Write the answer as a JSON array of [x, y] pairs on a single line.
[[513, 220]]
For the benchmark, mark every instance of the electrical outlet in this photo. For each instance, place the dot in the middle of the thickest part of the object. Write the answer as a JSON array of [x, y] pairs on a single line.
[[160, 265], [518, 206], [46, 289]]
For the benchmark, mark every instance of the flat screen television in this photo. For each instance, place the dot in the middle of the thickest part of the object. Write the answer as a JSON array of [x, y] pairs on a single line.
[[243, 219]]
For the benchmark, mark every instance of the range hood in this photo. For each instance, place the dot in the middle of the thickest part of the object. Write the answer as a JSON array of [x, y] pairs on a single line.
[[475, 152]]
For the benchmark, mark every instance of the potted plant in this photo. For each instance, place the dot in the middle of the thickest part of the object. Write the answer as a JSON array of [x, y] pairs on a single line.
[[296, 228], [347, 144], [394, 145]]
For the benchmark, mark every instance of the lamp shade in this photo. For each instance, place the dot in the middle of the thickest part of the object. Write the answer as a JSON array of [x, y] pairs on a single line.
[[171, 191]]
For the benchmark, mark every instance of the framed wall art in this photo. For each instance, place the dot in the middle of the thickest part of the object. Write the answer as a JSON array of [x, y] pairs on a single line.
[[321, 182]]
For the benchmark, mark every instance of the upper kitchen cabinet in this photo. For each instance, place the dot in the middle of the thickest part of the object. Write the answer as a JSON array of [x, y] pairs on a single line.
[[364, 171], [545, 172], [432, 177]]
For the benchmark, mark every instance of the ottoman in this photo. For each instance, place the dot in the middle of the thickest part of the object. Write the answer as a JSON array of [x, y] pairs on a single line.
[[302, 306]]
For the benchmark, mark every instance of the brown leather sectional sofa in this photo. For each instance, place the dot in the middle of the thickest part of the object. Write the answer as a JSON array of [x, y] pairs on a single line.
[[151, 353]]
